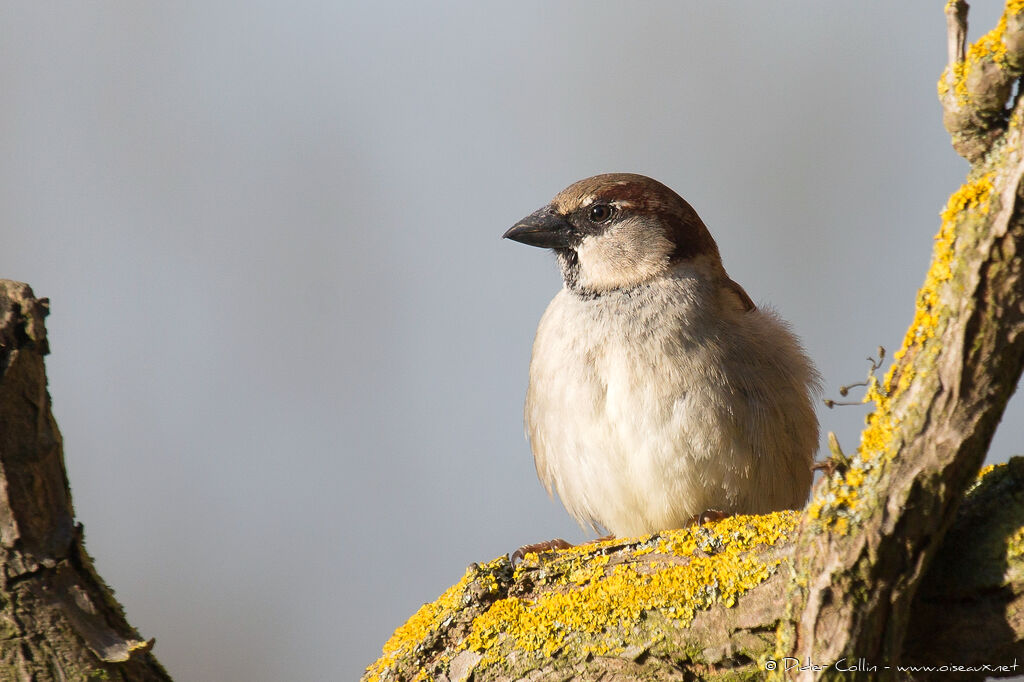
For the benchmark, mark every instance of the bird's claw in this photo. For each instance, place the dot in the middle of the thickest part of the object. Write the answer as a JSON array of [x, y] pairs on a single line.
[[709, 515], [550, 545]]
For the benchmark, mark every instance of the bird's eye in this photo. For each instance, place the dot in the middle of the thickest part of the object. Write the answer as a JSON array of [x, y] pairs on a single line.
[[600, 213]]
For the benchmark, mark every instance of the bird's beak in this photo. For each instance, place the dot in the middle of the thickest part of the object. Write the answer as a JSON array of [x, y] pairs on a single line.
[[545, 228]]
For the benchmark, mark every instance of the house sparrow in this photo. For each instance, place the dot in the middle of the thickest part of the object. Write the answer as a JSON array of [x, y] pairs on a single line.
[[658, 390]]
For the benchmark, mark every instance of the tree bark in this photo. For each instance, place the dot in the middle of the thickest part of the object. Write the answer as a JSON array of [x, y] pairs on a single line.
[[888, 565], [705, 603], [873, 528], [58, 620]]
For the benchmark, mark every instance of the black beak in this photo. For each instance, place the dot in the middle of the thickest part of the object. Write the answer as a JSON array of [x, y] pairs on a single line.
[[545, 228]]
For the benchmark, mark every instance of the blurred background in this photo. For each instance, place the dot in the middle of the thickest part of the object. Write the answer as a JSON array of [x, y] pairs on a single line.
[[289, 347]]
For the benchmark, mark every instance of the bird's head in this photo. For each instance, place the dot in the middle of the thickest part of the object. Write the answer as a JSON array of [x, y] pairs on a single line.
[[616, 231]]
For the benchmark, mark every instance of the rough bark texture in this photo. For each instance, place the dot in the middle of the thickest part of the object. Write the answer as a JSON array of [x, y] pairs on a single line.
[[881, 569], [705, 603], [58, 621], [874, 527]]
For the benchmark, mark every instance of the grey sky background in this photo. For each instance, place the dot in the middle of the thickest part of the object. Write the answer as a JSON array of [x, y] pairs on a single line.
[[289, 347]]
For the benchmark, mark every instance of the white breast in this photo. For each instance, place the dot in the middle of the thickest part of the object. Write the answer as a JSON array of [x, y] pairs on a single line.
[[647, 409]]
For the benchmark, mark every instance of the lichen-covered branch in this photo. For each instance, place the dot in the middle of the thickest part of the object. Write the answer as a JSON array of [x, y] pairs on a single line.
[[702, 602], [971, 600], [977, 82], [58, 621], [873, 527], [619, 607]]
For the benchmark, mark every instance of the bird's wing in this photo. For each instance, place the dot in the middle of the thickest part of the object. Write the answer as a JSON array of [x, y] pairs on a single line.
[[737, 291]]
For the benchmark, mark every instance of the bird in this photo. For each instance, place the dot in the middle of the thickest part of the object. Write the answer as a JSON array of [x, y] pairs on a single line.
[[659, 394]]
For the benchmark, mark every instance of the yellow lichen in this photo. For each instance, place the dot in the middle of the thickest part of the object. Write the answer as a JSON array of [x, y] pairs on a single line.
[[835, 506], [427, 620], [973, 196], [591, 603], [1015, 544], [958, 79], [989, 48], [987, 469]]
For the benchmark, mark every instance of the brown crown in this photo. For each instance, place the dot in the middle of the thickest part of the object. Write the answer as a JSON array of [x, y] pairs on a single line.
[[641, 195]]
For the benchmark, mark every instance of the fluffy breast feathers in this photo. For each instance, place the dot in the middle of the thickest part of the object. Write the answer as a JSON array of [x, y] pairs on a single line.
[[649, 406]]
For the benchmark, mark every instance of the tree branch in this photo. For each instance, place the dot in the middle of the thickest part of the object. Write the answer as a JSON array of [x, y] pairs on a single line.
[[58, 621], [977, 82], [705, 602], [872, 529]]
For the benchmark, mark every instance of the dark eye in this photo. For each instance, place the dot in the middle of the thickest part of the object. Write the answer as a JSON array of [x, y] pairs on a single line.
[[600, 213]]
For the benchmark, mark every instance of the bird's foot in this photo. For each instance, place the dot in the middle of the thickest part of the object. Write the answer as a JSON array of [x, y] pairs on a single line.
[[550, 545], [707, 516]]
